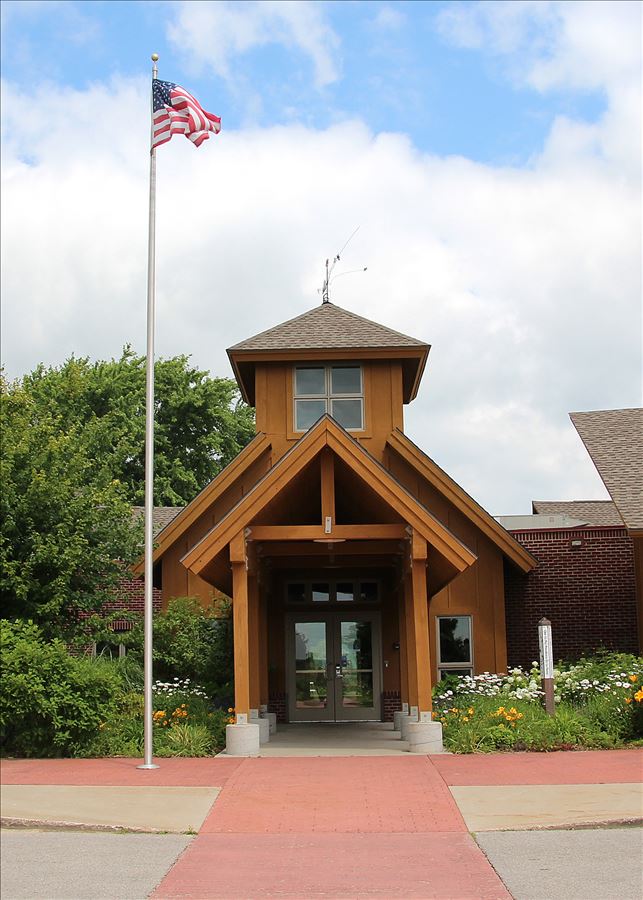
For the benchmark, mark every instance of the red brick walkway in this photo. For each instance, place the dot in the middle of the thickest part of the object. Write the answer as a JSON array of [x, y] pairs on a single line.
[[575, 767], [175, 772], [334, 827]]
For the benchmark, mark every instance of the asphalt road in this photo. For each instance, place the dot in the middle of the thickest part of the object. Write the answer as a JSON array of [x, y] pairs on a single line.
[[73, 865], [586, 864], [592, 864]]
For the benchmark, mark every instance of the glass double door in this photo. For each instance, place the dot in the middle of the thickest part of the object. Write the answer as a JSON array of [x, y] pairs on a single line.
[[334, 667]]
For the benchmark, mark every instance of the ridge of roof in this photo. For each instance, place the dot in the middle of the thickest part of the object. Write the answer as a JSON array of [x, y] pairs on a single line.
[[596, 512], [326, 327]]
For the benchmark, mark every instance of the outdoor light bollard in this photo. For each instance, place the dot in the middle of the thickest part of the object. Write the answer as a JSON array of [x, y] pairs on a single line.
[[547, 664], [243, 738]]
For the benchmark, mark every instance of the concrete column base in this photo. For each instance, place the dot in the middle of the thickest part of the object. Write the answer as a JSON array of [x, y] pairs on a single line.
[[425, 737], [264, 726], [405, 721], [271, 718], [242, 740], [397, 716]]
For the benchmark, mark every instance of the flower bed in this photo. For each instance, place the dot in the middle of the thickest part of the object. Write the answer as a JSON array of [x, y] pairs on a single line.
[[599, 703]]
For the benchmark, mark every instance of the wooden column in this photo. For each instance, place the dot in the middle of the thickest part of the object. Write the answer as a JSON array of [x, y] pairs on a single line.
[[411, 653], [404, 669], [253, 639], [264, 683], [239, 565], [420, 604]]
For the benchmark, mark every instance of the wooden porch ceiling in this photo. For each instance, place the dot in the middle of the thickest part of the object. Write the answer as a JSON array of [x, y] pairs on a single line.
[[306, 509]]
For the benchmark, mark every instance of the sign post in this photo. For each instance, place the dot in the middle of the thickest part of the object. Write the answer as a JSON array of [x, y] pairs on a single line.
[[547, 664]]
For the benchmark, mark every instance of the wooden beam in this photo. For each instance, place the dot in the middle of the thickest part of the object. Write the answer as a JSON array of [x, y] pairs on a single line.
[[316, 532], [264, 681], [422, 659], [328, 486], [411, 652], [241, 640], [253, 642], [404, 668], [348, 548]]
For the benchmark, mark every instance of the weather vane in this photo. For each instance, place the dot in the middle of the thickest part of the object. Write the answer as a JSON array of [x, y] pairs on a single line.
[[325, 290]]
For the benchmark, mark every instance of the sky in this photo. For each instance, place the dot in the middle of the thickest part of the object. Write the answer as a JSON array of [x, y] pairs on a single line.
[[488, 154]]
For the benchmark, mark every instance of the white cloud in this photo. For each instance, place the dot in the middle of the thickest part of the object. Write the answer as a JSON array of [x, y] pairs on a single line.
[[525, 281], [388, 18], [214, 34]]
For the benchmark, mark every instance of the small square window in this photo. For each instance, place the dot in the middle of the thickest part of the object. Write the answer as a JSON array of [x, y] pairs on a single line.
[[296, 593], [348, 413], [345, 380], [310, 381], [307, 412], [345, 592], [368, 591], [321, 593]]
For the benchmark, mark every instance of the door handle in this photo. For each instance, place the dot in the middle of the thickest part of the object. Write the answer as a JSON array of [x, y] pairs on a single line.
[[338, 672]]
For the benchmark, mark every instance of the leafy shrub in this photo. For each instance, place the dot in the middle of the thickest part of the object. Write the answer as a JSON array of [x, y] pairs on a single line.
[[184, 739], [194, 643], [51, 703]]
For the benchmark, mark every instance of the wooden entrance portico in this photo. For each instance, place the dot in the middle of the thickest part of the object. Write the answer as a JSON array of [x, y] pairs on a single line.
[[325, 503]]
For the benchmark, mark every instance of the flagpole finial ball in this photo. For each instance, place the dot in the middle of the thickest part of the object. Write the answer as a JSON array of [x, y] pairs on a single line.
[[155, 57]]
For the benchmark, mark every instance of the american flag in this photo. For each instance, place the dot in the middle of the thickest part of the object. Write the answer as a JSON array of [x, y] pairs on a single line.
[[175, 111]]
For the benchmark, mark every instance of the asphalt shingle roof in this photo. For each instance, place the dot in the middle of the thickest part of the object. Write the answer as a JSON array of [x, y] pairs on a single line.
[[614, 440], [163, 515], [592, 512], [326, 327]]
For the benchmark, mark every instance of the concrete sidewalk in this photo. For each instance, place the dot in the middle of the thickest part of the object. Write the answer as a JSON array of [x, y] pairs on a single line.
[[335, 826]]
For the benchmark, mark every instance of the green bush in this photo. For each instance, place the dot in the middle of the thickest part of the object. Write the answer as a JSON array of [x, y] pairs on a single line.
[[192, 642], [184, 725], [51, 703]]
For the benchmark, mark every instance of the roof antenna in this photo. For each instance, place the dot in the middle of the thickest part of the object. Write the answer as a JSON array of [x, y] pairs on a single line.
[[325, 291]]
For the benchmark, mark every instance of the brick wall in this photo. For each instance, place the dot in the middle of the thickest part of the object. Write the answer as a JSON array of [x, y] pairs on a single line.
[[130, 596], [278, 704], [587, 592], [391, 702]]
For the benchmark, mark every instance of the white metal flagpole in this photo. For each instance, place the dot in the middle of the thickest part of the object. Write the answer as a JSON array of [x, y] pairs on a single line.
[[149, 452]]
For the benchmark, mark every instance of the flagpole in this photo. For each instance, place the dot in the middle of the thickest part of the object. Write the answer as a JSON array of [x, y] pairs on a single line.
[[149, 453]]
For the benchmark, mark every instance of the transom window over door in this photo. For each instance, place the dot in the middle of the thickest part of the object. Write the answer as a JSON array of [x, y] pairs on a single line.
[[334, 389]]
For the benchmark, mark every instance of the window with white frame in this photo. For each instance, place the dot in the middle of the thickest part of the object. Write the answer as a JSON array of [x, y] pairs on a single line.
[[335, 389], [455, 647]]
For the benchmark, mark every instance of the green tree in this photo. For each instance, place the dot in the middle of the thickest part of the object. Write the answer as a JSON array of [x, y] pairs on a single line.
[[200, 422], [66, 524]]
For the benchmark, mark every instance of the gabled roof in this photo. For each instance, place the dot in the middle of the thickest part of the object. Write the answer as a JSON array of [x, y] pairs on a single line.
[[590, 512], [327, 433], [161, 516], [186, 516], [614, 440], [328, 331], [327, 327], [461, 500]]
